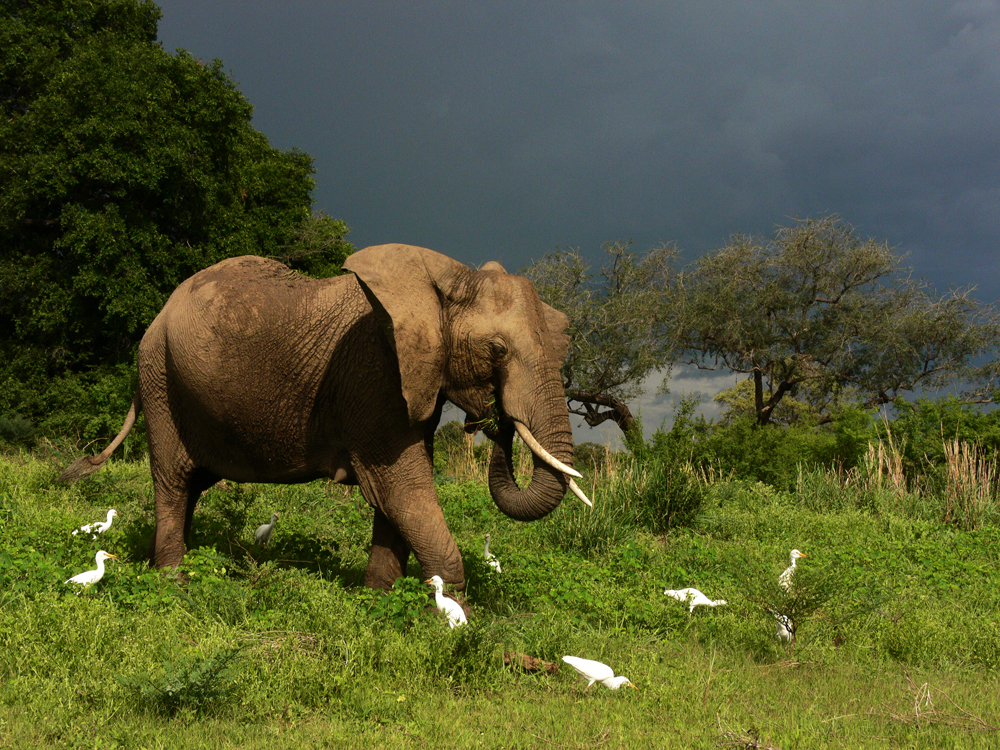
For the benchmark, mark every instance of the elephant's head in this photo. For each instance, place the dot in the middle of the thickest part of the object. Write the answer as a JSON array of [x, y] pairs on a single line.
[[486, 341]]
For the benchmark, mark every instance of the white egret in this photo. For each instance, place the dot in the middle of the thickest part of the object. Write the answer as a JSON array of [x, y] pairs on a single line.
[[491, 559], [264, 531], [785, 579], [452, 609], [785, 628], [595, 671], [694, 598], [96, 528], [90, 577]]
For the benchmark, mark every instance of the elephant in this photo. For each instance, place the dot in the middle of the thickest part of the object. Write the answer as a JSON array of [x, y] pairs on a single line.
[[253, 372]]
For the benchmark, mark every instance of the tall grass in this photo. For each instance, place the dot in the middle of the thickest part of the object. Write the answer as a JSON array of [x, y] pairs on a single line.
[[462, 462], [962, 493], [468, 462], [971, 489], [881, 466]]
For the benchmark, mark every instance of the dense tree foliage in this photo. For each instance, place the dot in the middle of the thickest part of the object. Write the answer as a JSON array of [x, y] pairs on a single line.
[[817, 318], [615, 325], [123, 170], [817, 311]]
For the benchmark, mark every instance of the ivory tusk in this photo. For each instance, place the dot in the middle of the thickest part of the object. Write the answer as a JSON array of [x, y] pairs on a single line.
[[543, 454], [579, 493]]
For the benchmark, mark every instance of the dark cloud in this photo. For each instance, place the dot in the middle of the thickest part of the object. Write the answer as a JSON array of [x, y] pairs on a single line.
[[503, 130], [506, 129]]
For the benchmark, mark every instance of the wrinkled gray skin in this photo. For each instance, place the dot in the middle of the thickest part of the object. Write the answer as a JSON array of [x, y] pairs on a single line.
[[254, 373]]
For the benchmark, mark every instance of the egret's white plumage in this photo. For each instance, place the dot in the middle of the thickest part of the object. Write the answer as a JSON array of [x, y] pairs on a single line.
[[596, 671], [90, 577], [491, 559], [694, 598], [452, 609], [264, 531], [785, 629], [98, 527], [785, 579]]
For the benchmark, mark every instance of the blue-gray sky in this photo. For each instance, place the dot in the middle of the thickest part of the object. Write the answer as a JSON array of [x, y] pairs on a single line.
[[504, 130]]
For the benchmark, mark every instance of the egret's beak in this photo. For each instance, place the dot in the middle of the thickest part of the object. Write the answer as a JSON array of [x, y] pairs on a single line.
[[803, 554], [633, 686], [113, 557], [429, 581]]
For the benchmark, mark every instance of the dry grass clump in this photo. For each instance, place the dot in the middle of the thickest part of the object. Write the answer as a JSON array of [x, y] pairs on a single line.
[[970, 494]]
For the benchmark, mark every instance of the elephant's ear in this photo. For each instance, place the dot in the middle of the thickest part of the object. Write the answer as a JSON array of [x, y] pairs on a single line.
[[403, 285], [557, 323]]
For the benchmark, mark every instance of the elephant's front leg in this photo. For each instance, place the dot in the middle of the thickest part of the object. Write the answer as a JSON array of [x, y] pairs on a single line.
[[421, 523], [413, 520], [389, 555], [408, 517]]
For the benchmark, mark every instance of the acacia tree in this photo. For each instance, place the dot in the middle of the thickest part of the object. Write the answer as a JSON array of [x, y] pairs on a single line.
[[615, 325], [123, 170], [818, 306]]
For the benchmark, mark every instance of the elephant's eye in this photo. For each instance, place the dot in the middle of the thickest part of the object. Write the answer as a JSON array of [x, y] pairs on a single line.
[[498, 348]]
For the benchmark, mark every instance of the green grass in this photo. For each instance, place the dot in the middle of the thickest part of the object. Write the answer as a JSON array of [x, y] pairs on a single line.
[[898, 642]]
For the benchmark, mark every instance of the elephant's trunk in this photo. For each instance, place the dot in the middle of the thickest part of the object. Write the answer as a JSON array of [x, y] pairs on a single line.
[[549, 477]]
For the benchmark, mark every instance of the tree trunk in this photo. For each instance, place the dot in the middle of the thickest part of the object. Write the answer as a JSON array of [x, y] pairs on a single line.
[[617, 411]]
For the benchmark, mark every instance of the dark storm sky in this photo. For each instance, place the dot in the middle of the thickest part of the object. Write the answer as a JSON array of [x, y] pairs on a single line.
[[489, 130]]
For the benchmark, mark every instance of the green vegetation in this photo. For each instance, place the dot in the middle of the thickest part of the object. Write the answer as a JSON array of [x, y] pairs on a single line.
[[898, 642], [124, 169]]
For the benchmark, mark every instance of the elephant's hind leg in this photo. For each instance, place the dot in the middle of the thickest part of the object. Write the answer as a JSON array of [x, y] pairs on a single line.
[[175, 500]]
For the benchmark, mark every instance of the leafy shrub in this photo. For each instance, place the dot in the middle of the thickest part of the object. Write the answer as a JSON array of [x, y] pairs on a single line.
[[90, 405], [403, 605], [229, 507], [672, 496], [924, 426], [16, 429], [190, 682], [589, 456]]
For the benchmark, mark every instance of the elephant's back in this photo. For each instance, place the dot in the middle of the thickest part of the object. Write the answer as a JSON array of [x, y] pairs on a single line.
[[245, 278], [252, 313], [240, 293]]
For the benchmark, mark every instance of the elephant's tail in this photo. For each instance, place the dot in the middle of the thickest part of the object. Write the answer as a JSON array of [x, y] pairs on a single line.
[[89, 464]]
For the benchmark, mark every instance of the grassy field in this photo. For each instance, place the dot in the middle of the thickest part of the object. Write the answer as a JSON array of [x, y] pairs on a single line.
[[898, 642]]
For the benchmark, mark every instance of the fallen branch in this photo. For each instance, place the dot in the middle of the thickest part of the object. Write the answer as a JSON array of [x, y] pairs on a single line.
[[746, 740], [528, 663]]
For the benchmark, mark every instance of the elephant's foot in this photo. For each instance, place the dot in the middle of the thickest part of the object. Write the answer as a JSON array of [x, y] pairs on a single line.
[[164, 556]]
